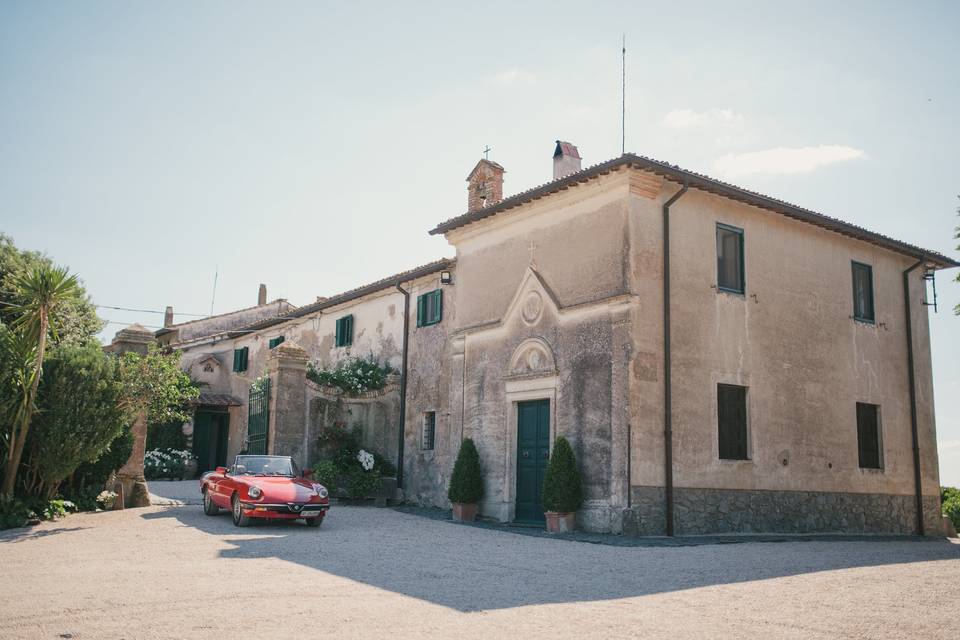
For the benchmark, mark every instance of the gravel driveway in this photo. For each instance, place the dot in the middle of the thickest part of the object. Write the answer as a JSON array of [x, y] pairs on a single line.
[[171, 572]]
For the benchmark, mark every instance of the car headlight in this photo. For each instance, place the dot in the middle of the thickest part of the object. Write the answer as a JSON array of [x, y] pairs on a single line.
[[321, 490], [255, 492]]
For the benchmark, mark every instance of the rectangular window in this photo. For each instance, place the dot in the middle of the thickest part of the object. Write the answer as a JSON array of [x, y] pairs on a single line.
[[863, 292], [868, 436], [275, 342], [730, 259], [345, 331], [240, 357], [429, 308], [429, 430], [732, 421]]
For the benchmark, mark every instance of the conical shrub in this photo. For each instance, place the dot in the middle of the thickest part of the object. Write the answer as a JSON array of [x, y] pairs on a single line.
[[466, 483], [562, 487]]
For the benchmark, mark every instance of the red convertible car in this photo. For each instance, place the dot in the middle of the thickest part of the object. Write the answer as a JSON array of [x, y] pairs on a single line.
[[264, 487]]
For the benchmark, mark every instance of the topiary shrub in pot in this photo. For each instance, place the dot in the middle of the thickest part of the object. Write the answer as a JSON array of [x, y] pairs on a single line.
[[562, 488], [466, 483]]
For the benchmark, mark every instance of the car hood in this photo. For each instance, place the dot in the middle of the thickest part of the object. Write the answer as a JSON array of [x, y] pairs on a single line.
[[280, 489]]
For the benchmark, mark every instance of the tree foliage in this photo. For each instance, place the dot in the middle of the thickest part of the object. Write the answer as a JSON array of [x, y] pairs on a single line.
[[39, 293], [466, 483], [154, 383], [79, 324], [80, 415], [562, 487]]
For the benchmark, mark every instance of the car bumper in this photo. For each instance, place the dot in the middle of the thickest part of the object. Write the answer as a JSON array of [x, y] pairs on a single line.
[[283, 511]]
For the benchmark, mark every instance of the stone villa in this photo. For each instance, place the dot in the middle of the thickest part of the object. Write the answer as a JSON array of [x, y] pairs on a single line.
[[721, 361]]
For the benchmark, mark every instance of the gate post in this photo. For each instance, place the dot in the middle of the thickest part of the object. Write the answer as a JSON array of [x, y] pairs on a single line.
[[287, 368], [130, 476]]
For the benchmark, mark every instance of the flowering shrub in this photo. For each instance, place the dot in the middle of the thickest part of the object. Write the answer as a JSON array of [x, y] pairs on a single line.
[[106, 499], [354, 375], [165, 463], [365, 458]]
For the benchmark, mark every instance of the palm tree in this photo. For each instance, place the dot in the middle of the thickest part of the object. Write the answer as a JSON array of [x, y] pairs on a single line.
[[41, 292]]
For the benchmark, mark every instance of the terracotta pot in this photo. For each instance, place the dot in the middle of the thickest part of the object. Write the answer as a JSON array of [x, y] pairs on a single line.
[[464, 511], [560, 522]]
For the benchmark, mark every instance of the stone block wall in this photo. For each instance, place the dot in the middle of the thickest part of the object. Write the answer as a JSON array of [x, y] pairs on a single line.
[[715, 511]]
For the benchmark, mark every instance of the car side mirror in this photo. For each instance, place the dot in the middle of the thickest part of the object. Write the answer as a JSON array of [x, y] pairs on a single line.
[[222, 470], [306, 473]]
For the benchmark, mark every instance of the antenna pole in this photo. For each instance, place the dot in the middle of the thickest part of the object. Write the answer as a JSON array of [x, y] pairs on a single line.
[[216, 272], [623, 96]]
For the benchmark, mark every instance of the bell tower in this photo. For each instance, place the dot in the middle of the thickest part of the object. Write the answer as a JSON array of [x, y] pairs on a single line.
[[484, 185]]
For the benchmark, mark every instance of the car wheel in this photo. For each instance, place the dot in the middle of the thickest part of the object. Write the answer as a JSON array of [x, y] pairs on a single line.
[[314, 522], [209, 506], [239, 519]]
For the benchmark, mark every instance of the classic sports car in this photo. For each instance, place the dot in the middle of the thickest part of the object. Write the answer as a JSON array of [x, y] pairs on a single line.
[[264, 487]]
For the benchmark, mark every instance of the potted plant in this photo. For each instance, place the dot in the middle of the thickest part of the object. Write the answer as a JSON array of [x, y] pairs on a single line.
[[466, 485], [562, 488]]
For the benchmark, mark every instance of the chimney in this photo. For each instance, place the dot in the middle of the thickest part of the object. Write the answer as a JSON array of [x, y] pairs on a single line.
[[262, 295], [566, 160], [484, 185], [168, 317]]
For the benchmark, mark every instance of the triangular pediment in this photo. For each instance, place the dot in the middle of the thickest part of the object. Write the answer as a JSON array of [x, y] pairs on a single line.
[[533, 299]]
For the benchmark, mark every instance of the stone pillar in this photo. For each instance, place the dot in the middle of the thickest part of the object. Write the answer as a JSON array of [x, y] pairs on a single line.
[[287, 368], [138, 339]]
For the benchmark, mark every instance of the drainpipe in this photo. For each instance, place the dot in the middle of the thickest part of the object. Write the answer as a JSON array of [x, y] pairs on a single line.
[[667, 391], [403, 383], [918, 488]]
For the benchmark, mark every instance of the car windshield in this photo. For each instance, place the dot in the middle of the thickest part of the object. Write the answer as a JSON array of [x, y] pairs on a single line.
[[264, 466]]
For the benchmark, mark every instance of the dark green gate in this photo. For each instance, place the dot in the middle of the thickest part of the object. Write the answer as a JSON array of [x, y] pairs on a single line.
[[258, 418]]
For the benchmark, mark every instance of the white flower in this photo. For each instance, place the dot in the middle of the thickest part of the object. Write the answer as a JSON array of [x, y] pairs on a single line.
[[366, 460]]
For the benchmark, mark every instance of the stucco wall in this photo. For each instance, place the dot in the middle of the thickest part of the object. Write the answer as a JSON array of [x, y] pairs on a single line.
[[790, 339]]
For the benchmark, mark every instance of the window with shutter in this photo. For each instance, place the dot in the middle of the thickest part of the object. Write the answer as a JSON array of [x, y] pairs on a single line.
[[344, 337], [275, 342], [240, 359], [863, 292], [730, 275], [732, 421], [868, 436], [430, 308]]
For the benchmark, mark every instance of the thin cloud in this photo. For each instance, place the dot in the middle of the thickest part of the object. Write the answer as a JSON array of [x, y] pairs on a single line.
[[513, 76], [690, 119], [784, 160]]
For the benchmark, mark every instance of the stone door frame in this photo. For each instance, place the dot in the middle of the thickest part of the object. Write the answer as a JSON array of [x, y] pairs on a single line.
[[517, 391]]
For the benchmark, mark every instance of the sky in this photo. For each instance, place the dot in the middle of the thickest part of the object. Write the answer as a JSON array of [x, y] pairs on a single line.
[[311, 145]]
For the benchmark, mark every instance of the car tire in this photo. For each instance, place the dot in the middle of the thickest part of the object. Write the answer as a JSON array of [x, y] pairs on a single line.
[[209, 506], [314, 522], [239, 519]]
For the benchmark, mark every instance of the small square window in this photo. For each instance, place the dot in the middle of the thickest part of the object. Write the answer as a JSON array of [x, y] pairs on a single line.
[[732, 421], [869, 449], [863, 292], [730, 275], [274, 342], [429, 430]]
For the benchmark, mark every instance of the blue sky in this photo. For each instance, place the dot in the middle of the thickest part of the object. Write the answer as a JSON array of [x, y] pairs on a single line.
[[311, 145]]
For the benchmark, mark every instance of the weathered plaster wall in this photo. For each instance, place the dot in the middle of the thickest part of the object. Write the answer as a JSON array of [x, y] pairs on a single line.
[[791, 339], [551, 277], [378, 328], [433, 378]]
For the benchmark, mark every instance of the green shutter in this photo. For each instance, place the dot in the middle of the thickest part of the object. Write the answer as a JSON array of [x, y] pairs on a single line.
[[349, 330], [274, 342], [336, 340], [236, 360], [438, 305], [421, 310], [245, 358], [344, 337]]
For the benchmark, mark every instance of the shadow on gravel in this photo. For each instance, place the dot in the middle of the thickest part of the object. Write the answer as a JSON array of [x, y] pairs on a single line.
[[473, 568], [29, 533]]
